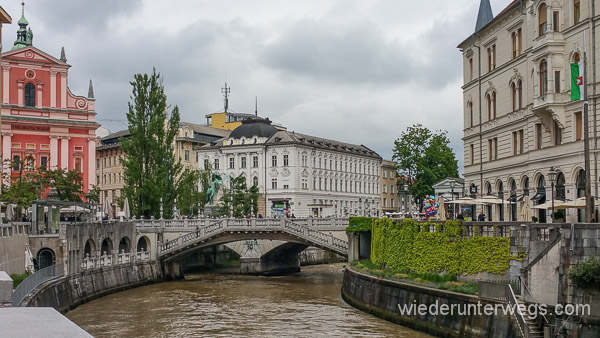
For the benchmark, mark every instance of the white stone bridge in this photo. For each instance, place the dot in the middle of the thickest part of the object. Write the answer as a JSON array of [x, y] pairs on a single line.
[[278, 241]]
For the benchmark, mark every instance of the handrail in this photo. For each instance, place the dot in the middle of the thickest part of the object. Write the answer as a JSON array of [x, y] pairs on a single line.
[[512, 301], [532, 297], [33, 281]]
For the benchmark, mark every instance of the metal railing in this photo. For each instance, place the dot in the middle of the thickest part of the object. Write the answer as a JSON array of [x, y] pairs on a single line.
[[33, 281], [503, 292]]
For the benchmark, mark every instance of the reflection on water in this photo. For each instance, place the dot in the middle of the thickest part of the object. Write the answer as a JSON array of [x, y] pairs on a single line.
[[307, 304]]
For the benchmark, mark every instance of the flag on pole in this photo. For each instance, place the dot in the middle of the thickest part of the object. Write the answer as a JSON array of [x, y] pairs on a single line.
[[577, 87]]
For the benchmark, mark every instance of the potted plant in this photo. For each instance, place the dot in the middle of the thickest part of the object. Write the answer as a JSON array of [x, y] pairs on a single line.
[[559, 216], [534, 219]]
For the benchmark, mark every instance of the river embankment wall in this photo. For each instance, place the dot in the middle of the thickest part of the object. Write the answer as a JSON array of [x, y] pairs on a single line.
[[70, 291], [382, 298]]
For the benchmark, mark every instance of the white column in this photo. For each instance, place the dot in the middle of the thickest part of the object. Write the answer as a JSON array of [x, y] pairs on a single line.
[[53, 89], [39, 102], [5, 84], [63, 89], [20, 94], [91, 162], [64, 153], [53, 152], [6, 147]]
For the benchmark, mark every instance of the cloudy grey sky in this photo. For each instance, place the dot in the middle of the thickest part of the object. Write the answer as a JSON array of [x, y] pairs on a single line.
[[350, 70]]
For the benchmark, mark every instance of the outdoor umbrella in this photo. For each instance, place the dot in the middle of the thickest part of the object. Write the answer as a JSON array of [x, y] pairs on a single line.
[[28, 260], [10, 212], [558, 204], [441, 209], [489, 200], [126, 209], [525, 211]]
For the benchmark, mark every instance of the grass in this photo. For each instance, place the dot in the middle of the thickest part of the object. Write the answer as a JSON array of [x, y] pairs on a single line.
[[18, 278], [434, 280]]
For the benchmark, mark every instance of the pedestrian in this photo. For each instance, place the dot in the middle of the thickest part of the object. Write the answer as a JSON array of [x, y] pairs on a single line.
[[197, 231], [260, 216], [460, 216], [481, 217]]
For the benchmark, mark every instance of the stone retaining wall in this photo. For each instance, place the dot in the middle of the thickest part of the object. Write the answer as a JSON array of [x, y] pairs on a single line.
[[381, 298], [68, 292]]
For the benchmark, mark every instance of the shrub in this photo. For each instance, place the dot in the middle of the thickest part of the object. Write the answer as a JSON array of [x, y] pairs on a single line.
[[586, 274], [18, 278], [357, 224]]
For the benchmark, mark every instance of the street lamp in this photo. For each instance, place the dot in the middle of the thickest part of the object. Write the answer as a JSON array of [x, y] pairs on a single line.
[[552, 179], [453, 205]]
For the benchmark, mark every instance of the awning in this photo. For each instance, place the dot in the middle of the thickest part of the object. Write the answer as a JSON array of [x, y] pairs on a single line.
[[512, 199], [489, 200], [539, 196], [520, 199]]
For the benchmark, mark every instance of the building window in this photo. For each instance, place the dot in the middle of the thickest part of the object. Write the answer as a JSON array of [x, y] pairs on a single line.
[[385, 174], [470, 69], [470, 107], [489, 59], [578, 126], [515, 145], [384, 202], [557, 81], [16, 162], [514, 44], [538, 136], [385, 188], [232, 163], [555, 22], [274, 160], [576, 11], [557, 134], [304, 160], [472, 151], [186, 155], [30, 94], [216, 164], [542, 20], [97, 179], [543, 77], [520, 93], [392, 202], [254, 161], [43, 162], [513, 90], [274, 183], [243, 162], [320, 183], [519, 40], [285, 160], [521, 141]]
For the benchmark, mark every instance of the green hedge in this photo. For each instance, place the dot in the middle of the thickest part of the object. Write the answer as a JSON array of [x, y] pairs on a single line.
[[586, 274], [410, 247], [357, 224]]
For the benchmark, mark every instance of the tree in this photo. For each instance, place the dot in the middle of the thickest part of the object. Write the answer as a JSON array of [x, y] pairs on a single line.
[[23, 188], [188, 195], [244, 198], [151, 170], [423, 158], [68, 184]]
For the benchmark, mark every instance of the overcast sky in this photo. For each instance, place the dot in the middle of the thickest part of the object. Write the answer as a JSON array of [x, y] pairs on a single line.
[[354, 71]]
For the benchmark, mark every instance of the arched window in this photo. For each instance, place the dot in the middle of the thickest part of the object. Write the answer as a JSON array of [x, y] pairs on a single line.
[[576, 58], [542, 19], [543, 77], [470, 107], [494, 104], [513, 91], [520, 93], [255, 181], [30, 94], [489, 106]]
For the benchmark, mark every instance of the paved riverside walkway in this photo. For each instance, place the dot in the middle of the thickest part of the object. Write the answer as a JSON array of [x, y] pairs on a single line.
[[34, 322]]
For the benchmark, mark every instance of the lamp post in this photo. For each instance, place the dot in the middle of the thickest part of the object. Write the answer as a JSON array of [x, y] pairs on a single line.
[[552, 178], [453, 205]]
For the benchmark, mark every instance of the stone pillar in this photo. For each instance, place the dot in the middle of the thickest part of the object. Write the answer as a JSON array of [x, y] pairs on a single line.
[[20, 94], [64, 153], [6, 147], [53, 89], [5, 84], [63, 90], [53, 152], [38, 100]]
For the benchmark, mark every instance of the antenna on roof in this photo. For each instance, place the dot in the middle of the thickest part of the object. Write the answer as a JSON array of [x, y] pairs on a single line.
[[225, 91], [256, 106]]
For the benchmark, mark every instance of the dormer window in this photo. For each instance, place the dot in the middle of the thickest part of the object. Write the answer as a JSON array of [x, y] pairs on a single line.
[[30, 94]]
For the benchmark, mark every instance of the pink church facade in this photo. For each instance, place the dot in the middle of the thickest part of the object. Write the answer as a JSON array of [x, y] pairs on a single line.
[[40, 115]]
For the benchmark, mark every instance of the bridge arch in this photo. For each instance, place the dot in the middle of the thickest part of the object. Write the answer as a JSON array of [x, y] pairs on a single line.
[[45, 258], [143, 244], [107, 246], [125, 245], [89, 248]]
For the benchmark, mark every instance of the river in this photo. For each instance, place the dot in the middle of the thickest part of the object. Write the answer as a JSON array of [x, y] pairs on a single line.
[[307, 304]]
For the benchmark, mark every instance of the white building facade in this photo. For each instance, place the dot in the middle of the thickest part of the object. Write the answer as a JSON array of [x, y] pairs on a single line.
[[519, 119], [298, 174]]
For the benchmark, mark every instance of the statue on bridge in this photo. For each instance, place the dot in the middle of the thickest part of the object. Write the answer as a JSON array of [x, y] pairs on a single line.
[[213, 189]]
